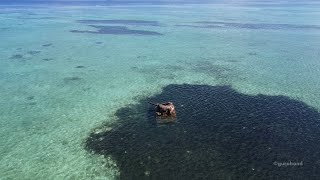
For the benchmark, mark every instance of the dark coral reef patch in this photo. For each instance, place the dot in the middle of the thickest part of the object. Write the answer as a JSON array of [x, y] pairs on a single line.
[[47, 45], [258, 25], [71, 79], [121, 22], [33, 52], [219, 134], [220, 24], [116, 30], [47, 59], [16, 56]]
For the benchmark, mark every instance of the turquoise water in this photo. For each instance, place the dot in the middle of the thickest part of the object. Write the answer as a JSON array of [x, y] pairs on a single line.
[[62, 78]]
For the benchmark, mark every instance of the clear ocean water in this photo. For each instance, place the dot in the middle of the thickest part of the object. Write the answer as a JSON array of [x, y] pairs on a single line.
[[66, 70]]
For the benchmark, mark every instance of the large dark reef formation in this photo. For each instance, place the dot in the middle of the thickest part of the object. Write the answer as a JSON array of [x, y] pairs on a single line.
[[117, 27], [120, 22], [219, 134], [236, 25], [116, 30]]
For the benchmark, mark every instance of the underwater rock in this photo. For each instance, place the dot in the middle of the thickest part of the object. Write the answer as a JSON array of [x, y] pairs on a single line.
[[220, 134]]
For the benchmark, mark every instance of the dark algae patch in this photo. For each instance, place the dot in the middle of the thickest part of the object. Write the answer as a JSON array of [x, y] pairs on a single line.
[[219, 134]]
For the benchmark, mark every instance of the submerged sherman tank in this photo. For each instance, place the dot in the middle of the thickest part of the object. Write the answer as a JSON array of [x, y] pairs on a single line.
[[165, 112]]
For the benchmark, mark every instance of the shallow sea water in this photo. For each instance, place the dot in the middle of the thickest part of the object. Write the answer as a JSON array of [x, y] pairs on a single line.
[[61, 78]]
